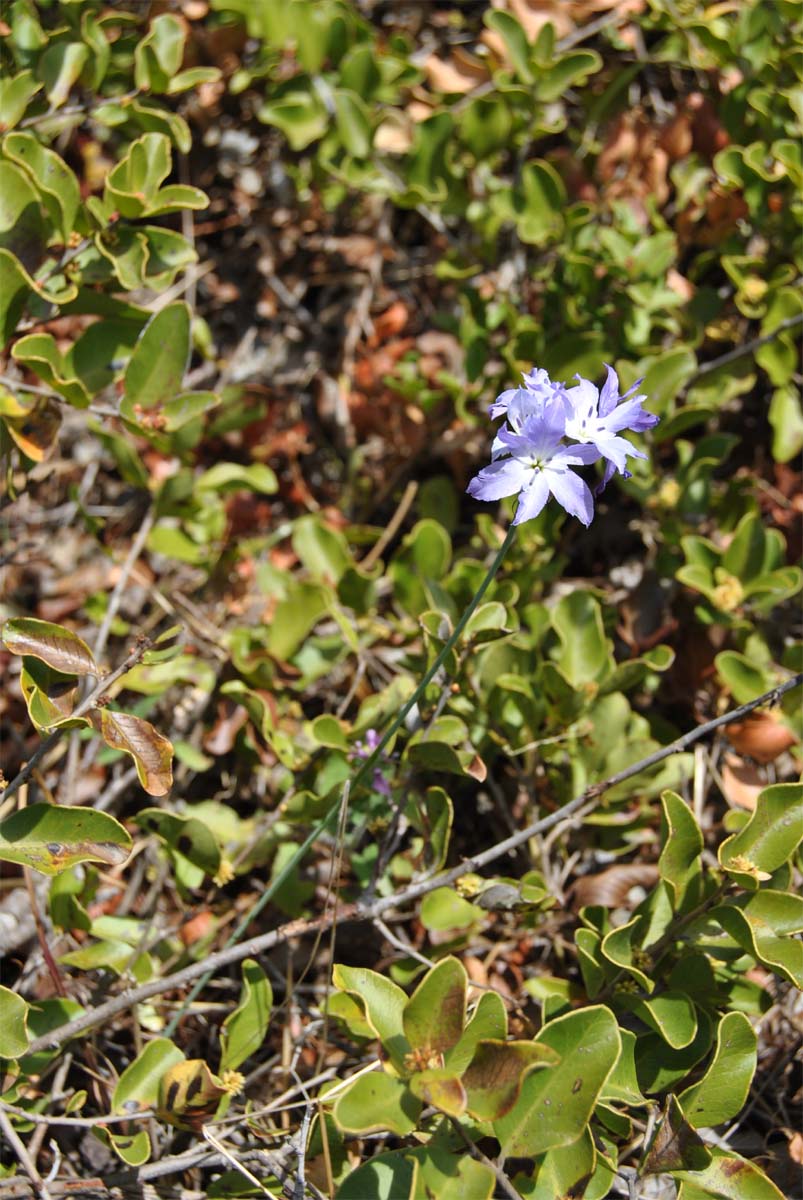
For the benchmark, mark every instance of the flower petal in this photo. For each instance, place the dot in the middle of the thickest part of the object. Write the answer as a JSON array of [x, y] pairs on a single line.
[[607, 476], [609, 395], [500, 404], [576, 456], [572, 493], [532, 499], [502, 478], [616, 449], [630, 415]]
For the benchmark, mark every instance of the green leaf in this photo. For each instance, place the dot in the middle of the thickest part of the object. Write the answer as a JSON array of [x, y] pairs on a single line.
[[60, 66], [728, 1177], [138, 1090], [723, 1090], [540, 203], [51, 838], [435, 1014], [585, 652], [622, 1084], [433, 819], [298, 112], [488, 1021], [109, 954], [186, 407], [61, 649], [22, 228], [184, 835], [749, 552], [769, 838], [443, 909], [156, 369], [672, 1015], [353, 123], [55, 181], [486, 125], [682, 840], [138, 1086], [659, 1067], [786, 419], [448, 1175], [746, 680], [515, 40], [323, 551], [13, 1024], [498, 1069], [383, 1003], [227, 477], [133, 1148], [16, 93], [192, 78], [295, 617], [50, 695], [329, 731], [665, 377], [762, 924], [563, 1171], [158, 56], [152, 753], [40, 353], [571, 70], [376, 1102], [622, 947], [419, 1173], [244, 1030], [556, 1104], [15, 287], [387, 1176]]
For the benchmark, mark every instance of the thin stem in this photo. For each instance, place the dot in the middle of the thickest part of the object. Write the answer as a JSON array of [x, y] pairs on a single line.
[[27, 1163], [363, 772], [122, 582], [363, 912], [748, 347]]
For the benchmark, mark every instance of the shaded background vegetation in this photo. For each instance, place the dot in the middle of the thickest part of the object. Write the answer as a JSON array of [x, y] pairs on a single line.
[[344, 228]]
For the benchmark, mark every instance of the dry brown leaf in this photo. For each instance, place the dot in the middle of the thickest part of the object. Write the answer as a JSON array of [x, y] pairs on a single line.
[[392, 321], [680, 284], [393, 136], [761, 736], [795, 1147], [417, 110], [461, 73], [741, 782], [612, 886]]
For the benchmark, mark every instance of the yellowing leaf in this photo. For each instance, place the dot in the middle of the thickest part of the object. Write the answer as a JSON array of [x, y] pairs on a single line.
[[55, 645], [189, 1094], [152, 753]]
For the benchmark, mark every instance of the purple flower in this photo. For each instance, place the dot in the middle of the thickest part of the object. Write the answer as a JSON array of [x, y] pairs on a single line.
[[537, 389], [538, 466], [598, 417], [363, 750], [529, 457]]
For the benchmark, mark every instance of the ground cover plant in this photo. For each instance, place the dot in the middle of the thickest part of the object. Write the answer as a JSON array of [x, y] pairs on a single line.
[[400, 429]]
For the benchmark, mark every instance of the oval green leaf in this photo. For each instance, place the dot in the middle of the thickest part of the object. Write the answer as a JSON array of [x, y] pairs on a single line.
[[51, 838]]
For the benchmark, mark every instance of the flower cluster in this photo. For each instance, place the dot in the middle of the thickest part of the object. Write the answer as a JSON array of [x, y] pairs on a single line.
[[530, 457]]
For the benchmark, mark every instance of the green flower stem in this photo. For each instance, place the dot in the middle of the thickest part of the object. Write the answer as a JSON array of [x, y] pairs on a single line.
[[360, 775]]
